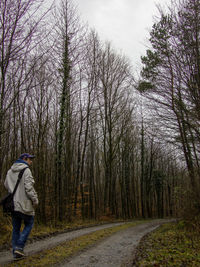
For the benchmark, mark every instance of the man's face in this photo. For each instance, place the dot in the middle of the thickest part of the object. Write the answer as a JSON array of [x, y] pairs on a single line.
[[28, 160]]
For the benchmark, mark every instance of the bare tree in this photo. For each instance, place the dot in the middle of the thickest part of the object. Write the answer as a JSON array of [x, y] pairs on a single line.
[[115, 83], [19, 28], [67, 50]]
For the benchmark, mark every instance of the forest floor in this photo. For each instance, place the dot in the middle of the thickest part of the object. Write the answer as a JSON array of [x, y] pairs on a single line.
[[172, 244], [102, 245]]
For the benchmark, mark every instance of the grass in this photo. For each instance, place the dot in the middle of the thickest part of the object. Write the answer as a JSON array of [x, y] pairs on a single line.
[[65, 250], [173, 244], [5, 231]]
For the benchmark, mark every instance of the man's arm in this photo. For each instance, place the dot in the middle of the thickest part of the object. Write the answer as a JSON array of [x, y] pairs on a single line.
[[29, 188]]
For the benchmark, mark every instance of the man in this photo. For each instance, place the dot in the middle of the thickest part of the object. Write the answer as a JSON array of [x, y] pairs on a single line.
[[25, 199]]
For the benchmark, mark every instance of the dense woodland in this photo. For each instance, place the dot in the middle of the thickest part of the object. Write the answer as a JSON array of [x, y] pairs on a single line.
[[107, 142]]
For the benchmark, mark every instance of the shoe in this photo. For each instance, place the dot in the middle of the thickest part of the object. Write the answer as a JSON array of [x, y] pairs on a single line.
[[18, 254], [18, 258]]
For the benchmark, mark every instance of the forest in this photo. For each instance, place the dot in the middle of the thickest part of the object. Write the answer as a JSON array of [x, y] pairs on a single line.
[[108, 142]]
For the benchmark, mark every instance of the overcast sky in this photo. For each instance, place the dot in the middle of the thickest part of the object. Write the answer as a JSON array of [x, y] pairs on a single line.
[[125, 23]]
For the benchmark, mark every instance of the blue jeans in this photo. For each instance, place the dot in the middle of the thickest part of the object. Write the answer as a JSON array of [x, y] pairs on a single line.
[[19, 238]]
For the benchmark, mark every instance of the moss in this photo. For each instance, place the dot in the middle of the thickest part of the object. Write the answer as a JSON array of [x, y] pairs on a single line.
[[65, 250]]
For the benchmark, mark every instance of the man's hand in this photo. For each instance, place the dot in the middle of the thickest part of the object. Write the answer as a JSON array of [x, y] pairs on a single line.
[[35, 204]]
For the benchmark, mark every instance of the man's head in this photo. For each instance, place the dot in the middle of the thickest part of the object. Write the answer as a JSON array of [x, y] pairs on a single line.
[[27, 157]]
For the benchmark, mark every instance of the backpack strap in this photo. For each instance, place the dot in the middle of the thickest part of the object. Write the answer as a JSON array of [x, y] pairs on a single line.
[[19, 179]]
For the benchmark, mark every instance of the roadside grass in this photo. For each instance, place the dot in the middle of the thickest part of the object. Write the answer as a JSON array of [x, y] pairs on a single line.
[[40, 230], [173, 244], [62, 252], [5, 230]]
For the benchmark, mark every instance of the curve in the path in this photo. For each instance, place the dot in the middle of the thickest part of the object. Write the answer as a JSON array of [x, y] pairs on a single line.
[[115, 250]]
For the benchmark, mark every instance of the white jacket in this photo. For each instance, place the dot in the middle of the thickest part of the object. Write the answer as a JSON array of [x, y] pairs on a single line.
[[25, 196]]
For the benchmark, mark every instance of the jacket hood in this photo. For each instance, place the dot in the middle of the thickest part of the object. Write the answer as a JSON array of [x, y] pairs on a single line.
[[17, 167]]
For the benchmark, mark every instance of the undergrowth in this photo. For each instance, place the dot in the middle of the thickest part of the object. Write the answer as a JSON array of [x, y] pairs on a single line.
[[173, 244]]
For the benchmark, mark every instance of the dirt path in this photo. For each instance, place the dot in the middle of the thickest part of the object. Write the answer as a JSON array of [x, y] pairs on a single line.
[[115, 251], [110, 252], [49, 242]]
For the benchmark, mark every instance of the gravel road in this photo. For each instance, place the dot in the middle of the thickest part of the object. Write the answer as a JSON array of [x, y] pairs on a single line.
[[113, 251], [49, 242]]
